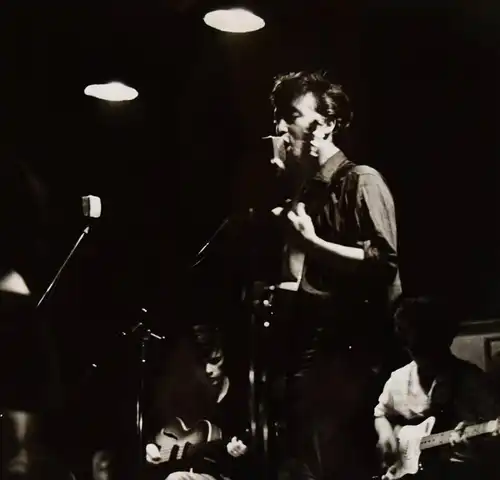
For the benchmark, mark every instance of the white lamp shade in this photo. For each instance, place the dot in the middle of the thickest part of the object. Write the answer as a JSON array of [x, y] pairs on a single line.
[[234, 20], [112, 92]]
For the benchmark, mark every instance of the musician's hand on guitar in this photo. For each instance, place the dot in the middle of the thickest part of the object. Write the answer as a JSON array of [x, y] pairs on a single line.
[[236, 448], [390, 473], [388, 448], [458, 434], [302, 222], [152, 453]]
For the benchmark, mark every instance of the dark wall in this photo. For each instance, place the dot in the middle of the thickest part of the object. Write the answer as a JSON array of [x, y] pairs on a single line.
[[169, 165]]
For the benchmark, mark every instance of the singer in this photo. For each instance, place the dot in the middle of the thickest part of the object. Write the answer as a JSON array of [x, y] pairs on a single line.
[[341, 275]]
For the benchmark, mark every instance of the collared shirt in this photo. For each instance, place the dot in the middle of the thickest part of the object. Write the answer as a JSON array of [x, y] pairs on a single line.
[[353, 207], [403, 395]]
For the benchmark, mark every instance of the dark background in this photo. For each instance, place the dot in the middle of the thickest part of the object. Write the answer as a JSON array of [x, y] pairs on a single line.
[[172, 164]]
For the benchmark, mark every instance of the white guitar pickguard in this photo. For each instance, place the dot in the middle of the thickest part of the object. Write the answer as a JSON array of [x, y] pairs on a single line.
[[409, 439]]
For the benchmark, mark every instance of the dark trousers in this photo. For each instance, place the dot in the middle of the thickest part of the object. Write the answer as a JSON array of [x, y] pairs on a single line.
[[330, 371]]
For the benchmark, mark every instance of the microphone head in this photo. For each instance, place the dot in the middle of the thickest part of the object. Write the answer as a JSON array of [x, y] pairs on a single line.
[[278, 150], [92, 206]]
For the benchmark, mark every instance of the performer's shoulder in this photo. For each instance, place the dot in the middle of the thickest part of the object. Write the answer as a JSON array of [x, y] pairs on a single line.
[[362, 170], [403, 373]]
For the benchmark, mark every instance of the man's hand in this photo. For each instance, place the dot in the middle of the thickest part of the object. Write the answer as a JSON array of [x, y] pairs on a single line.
[[458, 436], [298, 222], [236, 448], [152, 453], [388, 448], [302, 222]]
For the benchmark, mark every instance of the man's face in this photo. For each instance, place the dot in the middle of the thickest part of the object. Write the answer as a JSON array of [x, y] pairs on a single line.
[[429, 356], [299, 123], [214, 367]]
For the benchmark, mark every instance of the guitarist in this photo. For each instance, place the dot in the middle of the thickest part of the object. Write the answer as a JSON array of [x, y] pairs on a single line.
[[436, 383], [220, 459]]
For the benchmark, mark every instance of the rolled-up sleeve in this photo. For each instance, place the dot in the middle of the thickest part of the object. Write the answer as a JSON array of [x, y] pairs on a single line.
[[376, 218], [385, 405]]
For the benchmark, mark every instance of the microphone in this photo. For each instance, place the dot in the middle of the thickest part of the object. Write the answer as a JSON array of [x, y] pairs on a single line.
[[279, 151], [91, 206]]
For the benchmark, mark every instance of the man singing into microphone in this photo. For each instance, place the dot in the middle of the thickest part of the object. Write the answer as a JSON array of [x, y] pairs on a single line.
[[342, 265]]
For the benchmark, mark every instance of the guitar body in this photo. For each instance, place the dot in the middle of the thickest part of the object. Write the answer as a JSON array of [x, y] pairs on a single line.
[[175, 439], [413, 439], [409, 440]]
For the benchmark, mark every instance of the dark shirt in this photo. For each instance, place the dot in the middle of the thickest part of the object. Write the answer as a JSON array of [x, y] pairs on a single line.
[[351, 205], [229, 415], [465, 395]]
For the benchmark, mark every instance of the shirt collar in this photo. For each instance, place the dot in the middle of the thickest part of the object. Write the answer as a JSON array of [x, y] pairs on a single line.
[[329, 168]]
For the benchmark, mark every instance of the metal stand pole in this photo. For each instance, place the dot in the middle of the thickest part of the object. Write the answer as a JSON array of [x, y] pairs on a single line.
[[260, 314], [58, 274], [144, 335]]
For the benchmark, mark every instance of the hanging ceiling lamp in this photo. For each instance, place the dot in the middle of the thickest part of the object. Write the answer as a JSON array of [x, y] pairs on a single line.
[[112, 92], [234, 19]]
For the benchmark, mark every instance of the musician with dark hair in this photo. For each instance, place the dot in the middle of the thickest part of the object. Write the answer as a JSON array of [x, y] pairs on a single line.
[[340, 262], [435, 387], [210, 449]]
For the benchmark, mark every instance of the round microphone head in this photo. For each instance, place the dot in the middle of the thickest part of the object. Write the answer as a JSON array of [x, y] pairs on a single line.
[[92, 206]]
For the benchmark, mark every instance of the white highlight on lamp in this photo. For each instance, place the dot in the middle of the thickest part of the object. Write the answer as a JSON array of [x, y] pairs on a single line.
[[112, 92], [234, 20]]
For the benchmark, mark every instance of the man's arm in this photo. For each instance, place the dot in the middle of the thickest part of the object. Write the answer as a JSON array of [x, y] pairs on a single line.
[[375, 217], [478, 402], [387, 443]]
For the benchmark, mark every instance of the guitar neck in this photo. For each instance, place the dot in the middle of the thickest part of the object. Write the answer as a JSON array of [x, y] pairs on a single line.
[[438, 439]]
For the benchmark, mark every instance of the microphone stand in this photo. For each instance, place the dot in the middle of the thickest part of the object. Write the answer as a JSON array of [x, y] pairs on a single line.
[[199, 256], [143, 335], [256, 375], [63, 266]]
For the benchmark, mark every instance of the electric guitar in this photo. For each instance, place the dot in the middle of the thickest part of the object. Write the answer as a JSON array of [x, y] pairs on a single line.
[[178, 442], [412, 439]]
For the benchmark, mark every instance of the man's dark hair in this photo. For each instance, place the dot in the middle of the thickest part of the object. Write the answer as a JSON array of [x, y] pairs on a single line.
[[207, 339], [425, 318], [333, 103]]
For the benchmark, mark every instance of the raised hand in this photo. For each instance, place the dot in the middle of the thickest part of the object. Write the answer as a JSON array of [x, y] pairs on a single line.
[[302, 222], [236, 448]]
